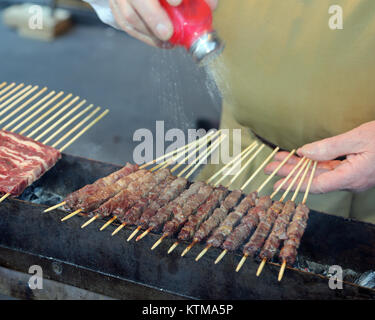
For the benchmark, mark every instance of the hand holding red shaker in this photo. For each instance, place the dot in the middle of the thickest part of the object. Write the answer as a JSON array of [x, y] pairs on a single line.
[[192, 23]]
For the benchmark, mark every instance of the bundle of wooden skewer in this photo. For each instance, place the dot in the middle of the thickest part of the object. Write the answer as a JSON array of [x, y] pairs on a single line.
[[209, 200], [52, 118]]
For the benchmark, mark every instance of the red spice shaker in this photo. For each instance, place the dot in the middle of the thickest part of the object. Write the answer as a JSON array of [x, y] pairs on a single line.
[[192, 22]]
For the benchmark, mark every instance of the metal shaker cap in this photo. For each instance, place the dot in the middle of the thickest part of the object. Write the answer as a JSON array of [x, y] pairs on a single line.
[[206, 48]]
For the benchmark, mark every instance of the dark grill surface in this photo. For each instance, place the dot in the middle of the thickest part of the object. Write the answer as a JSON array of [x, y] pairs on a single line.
[[108, 265]]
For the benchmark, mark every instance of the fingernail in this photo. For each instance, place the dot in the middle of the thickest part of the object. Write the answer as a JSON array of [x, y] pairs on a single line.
[[163, 31], [174, 2]]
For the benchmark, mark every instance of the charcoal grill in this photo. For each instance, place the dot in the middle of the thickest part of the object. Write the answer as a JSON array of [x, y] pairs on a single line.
[[97, 262]]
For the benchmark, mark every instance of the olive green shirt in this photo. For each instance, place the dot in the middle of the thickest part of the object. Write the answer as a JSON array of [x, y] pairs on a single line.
[[293, 79]]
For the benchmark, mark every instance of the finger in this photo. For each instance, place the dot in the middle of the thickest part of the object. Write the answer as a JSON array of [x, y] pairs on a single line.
[[174, 2], [280, 156], [331, 148], [129, 21], [340, 178], [129, 17], [155, 18], [212, 3], [286, 169]]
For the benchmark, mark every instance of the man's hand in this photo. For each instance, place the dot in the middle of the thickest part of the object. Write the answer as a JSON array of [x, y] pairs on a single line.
[[146, 20], [355, 173]]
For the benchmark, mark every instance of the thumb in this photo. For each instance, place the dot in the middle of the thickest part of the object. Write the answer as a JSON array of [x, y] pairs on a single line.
[[332, 148]]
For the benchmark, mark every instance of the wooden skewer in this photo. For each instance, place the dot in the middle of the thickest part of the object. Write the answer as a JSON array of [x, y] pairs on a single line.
[[210, 150], [221, 256], [234, 160], [18, 109], [282, 270], [140, 237], [309, 183], [54, 116], [283, 265], [242, 261], [72, 140], [3, 85], [288, 177], [174, 158], [11, 92], [25, 93], [261, 266], [260, 167], [134, 233], [96, 120], [14, 97], [76, 127], [159, 241], [19, 117], [285, 194], [36, 112], [122, 225], [4, 197], [89, 221], [201, 146], [61, 149], [71, 214], [8, 87], [57, 105], [203, 252], [207, 151], [68, 123], [243, 167], [173, 247], [66, 115], [169, 154], [55, 206], [264, 260], [188, 248], [108, 223], [224, 252]]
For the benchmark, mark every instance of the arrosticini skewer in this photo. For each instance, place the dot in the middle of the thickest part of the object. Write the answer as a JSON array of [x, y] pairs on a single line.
[[213, 147], [234, 164], [208, 246], [267, 221], [204, 191], [281, 223], [11, 102], [302, 218], [196, 146], [224, 252]]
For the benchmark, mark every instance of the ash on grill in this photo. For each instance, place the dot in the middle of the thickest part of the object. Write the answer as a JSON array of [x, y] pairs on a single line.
[[40, 195]]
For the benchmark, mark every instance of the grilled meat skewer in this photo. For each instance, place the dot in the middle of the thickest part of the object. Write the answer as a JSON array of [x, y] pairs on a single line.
[[165, 213], [295, 232], [279, 231], [218, 216], [128, 197], [203, 213], [74, 200], [135, 212], [180, 215], [265, 225], [247, 225], [232, 219]]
